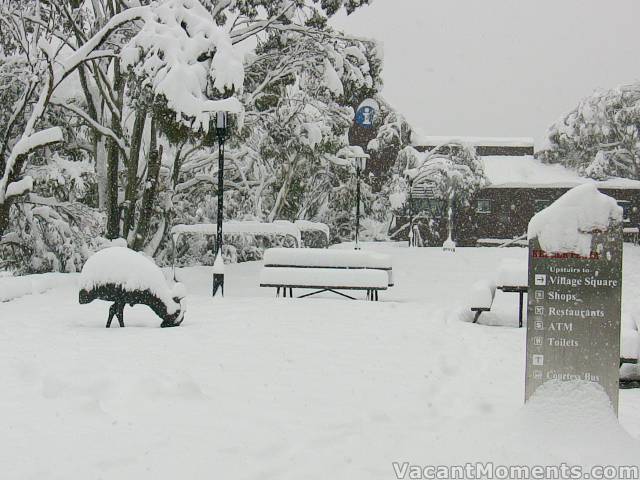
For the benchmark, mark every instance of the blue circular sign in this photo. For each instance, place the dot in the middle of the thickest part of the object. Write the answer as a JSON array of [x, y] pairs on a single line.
[[364, 116]]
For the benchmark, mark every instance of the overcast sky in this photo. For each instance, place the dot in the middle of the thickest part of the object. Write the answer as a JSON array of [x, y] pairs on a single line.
[[498, 67]]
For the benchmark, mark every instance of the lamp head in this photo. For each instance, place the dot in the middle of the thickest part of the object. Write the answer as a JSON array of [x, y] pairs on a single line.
[[221, 121], [361, 163]]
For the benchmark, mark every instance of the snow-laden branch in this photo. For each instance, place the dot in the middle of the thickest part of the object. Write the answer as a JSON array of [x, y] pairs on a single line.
[[107, 132], [23, 147], [181, 53], [58, 70], [82, 54]]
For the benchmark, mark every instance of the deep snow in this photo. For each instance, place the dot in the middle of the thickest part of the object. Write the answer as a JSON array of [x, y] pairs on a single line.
[[254, 387]]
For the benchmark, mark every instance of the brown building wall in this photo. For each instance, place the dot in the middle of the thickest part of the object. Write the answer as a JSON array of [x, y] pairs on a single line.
[[512, 208]]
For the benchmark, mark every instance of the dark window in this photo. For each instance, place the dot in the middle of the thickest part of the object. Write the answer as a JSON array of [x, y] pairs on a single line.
[[484, 206], [542, 204], [626, 210]]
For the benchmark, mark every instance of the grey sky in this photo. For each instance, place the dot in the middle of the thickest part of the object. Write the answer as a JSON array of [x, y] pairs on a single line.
[[498, 67]]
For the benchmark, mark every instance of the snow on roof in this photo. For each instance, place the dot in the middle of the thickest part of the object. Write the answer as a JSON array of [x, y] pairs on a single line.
[[417, 139], [528, 172]]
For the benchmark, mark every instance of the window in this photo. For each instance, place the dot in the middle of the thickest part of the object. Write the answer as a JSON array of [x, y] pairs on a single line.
[[626, 210], [484, 206], [542, 204]]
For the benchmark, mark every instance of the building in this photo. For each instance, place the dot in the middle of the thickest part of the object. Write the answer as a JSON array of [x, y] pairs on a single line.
[[519, 187]]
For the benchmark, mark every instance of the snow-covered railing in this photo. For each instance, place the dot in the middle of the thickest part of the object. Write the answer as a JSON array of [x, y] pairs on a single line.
[[235, 227], [308, 226]]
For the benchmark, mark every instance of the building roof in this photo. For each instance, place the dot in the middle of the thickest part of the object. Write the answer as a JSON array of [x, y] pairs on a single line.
[[528, 172], [419, 140]]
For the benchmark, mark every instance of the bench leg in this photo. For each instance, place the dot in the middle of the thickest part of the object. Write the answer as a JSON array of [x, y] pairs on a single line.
[[277, 292], [376, 295], [520, 312], [291, 293], [477, 316]]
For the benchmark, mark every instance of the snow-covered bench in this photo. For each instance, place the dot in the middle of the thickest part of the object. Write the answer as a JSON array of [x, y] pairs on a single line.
[[326, 270], [482, 295], [629, 353]]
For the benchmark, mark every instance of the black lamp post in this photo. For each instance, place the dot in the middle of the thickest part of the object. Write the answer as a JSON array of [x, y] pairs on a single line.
[[218, 264], [360, 162], [410, 212]]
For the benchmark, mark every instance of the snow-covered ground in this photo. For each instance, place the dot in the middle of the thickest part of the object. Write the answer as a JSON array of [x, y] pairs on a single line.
[[255, 387]]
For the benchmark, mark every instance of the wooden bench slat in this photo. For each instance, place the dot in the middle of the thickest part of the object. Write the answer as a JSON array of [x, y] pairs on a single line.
[[324, 278]]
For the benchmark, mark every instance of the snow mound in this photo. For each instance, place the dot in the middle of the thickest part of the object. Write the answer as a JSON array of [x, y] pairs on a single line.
[[449, 245], [132, 271], [563, 422], [567, 224]]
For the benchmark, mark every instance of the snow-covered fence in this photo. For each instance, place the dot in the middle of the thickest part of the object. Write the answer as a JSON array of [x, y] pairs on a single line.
[[308, 230], [236, 232]]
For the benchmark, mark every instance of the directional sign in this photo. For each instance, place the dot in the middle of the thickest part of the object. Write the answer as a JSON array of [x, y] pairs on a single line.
[[366, 112], [573, 327]]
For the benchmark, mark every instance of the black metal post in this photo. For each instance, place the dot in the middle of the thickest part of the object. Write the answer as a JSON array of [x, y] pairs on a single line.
[[410, 213], [218, 278], [358, 208]]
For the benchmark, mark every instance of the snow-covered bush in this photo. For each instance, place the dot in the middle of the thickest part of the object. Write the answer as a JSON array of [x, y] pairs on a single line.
[[50, 237]]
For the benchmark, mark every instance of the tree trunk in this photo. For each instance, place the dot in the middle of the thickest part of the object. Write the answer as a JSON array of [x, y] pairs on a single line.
[[284, 190], [113, 160], [132, 171], [100, 149], [4, 216], [150, 190]]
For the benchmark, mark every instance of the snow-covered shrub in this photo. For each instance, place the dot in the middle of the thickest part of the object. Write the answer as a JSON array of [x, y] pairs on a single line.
[[50, 238]]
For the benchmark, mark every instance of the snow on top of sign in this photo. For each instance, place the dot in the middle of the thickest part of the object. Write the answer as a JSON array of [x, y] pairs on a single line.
[[418, 139], [566, 225], [132, 271], [527, 171]]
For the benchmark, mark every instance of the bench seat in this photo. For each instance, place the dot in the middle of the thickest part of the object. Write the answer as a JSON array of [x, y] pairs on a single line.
[[329, 259], [323, 278]]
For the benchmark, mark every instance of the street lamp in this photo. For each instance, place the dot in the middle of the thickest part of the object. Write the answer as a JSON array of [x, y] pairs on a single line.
[[360, 162], [358, 158], [218, 264]]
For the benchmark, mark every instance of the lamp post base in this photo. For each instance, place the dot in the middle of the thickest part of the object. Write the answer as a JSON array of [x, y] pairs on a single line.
[[218, 284]]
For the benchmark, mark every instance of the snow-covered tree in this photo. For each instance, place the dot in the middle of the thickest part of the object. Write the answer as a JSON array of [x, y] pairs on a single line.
[[51, 60], [454, 173], [601, 136]]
